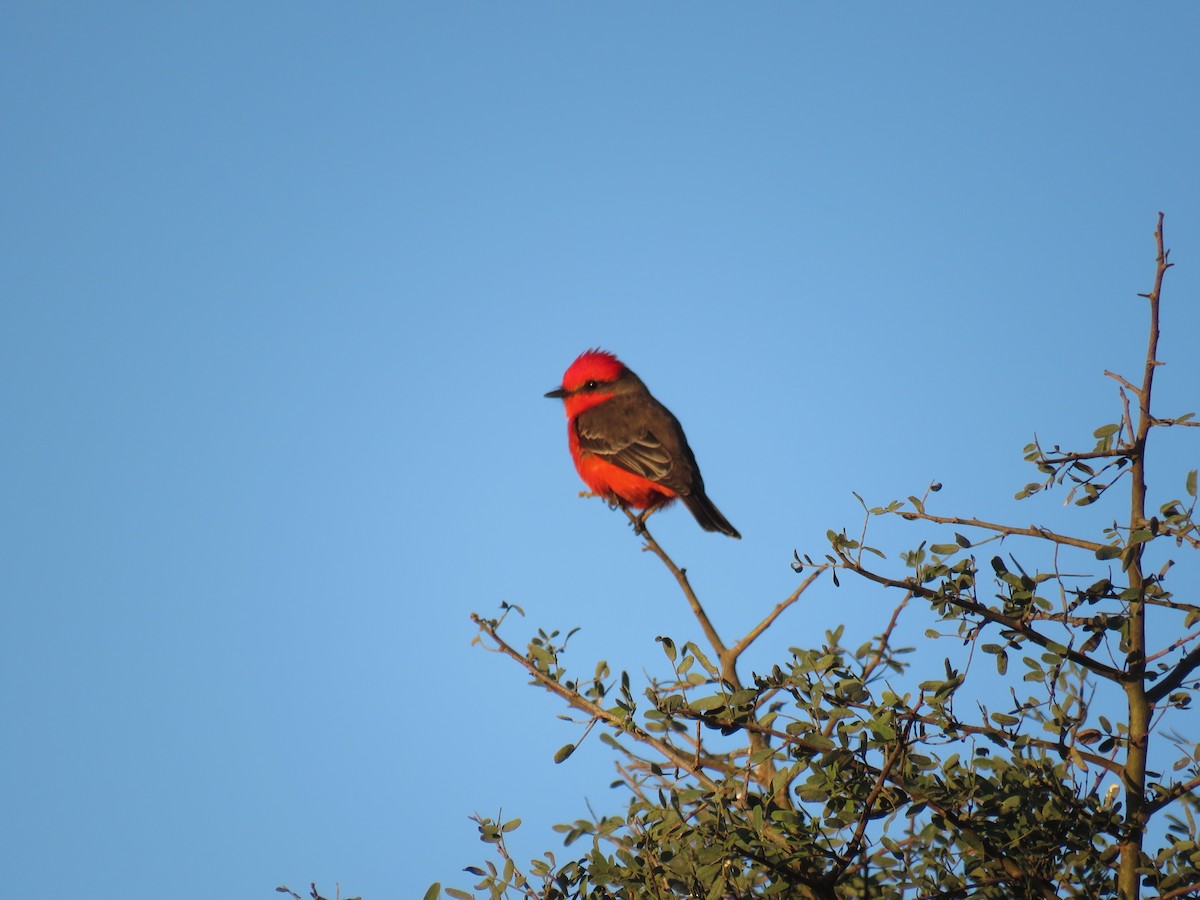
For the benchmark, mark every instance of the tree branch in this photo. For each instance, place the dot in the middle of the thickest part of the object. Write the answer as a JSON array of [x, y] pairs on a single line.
[[991, 615], [1008, 530], [578, 701], [710, 632], [1184, 891], [1179, 790], [1141, 706], [1175, 677], [885, 638], [1186, 639], [762, 626], [885, 771]]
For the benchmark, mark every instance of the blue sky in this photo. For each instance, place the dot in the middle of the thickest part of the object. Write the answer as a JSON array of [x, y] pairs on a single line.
[[285, 283]]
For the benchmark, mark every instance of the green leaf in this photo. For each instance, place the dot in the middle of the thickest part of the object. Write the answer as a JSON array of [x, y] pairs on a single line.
[[962, 541], [1191, 483], [435, 891], [668, 647], [971, 839], [818, 740], [1002, 662], [563, 753], [1105, 430], [944, 549], [883, 731], [511, 825], [758, 757], [1028, 491], [1128, 555], [703, 660], [1108, 551]]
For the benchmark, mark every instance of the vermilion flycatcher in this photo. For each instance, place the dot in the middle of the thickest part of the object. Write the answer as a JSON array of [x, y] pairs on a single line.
[[627, 446]]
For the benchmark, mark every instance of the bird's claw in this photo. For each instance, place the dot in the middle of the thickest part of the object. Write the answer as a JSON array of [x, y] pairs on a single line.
[[639, 522]]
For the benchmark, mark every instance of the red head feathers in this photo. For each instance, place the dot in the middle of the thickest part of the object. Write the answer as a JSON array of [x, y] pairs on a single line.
[[592, 365]]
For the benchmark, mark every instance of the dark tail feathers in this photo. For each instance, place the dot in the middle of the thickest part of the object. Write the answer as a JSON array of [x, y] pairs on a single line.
[[707, 515]]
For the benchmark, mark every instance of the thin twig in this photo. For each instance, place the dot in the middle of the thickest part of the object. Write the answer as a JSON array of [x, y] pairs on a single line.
[[1184, 891], [884, 638], [1175, 677], [710, 632], [1175, 646], [578, 701], [1032, 531], [855, 843], [762, 626], [1055, 459], [976, 608], [1122, 381]]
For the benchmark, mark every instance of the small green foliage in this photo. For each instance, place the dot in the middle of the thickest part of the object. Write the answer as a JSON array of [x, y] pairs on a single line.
[[668, 646], [834, 773]]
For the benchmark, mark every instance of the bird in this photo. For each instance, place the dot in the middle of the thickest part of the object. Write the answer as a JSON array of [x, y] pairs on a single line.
[[628, 447]]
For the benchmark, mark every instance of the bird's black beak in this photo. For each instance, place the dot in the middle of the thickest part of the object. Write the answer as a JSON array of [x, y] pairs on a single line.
[[556, 394]]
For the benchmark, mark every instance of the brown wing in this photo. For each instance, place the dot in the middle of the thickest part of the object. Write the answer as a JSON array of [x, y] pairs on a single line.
[[639, 434]]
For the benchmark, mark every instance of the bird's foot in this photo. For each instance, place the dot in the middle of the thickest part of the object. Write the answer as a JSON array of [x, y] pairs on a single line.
[[639, 521]]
